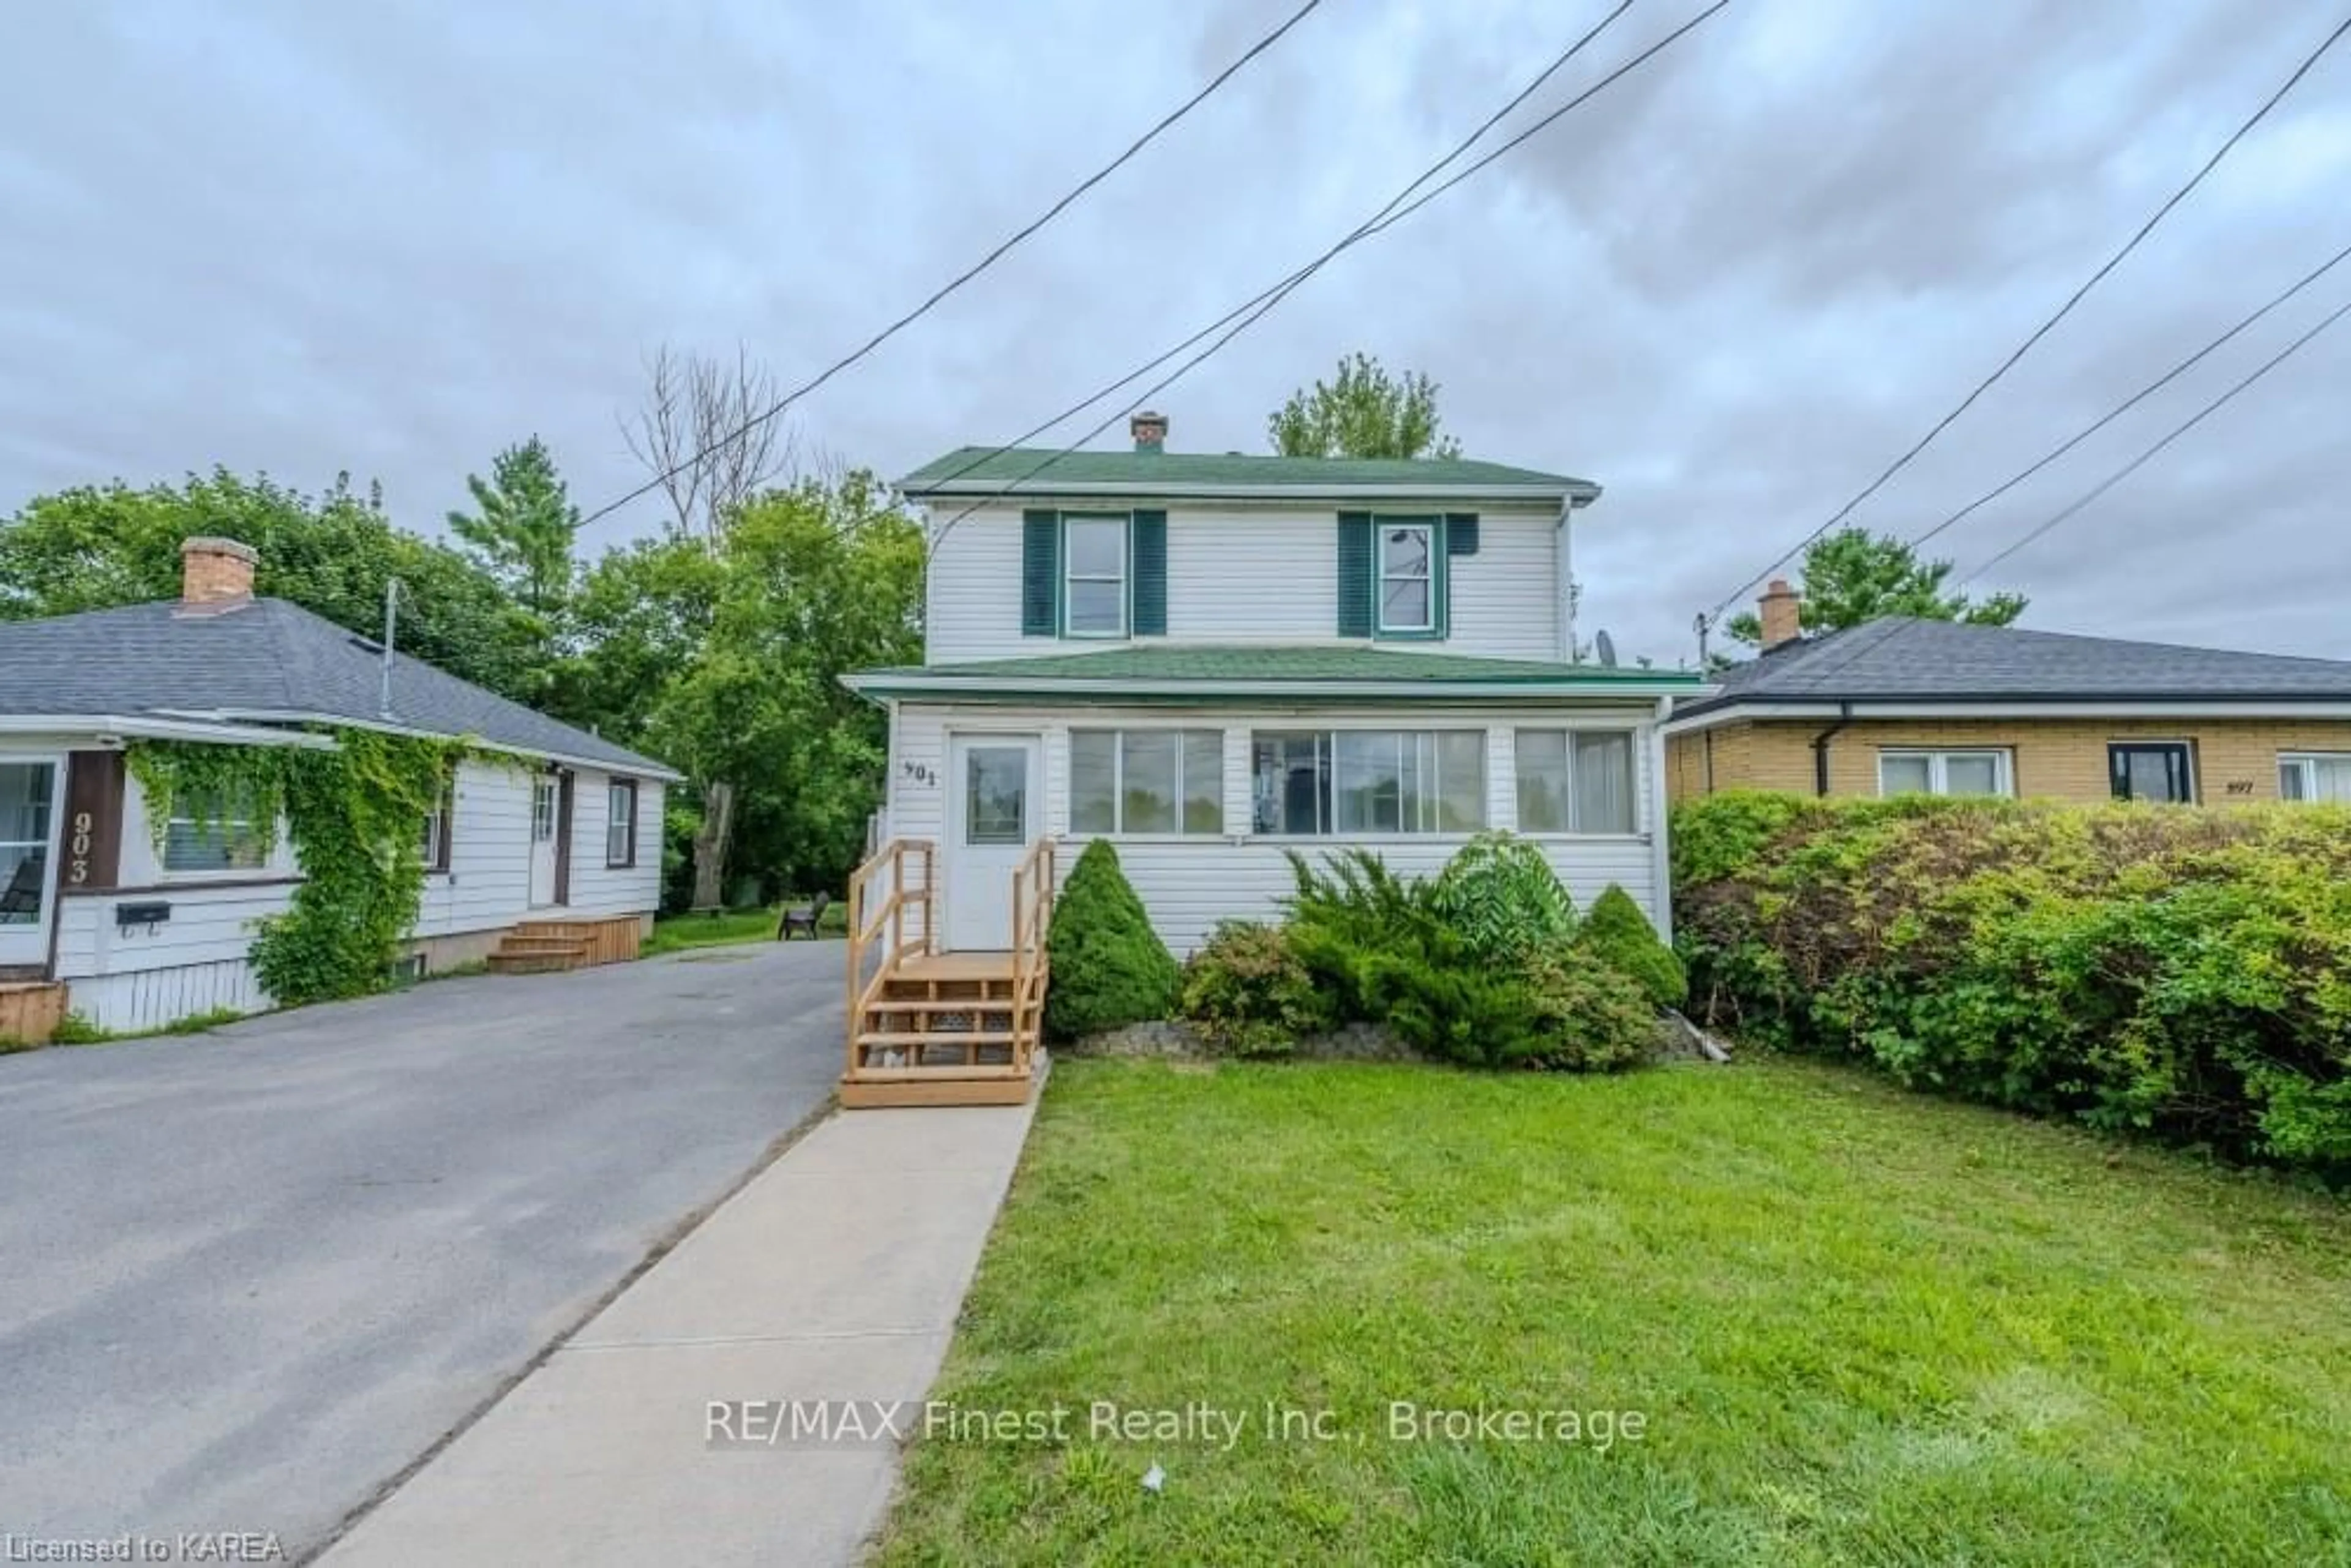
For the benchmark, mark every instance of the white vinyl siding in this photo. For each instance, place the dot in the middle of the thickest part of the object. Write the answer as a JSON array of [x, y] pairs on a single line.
[[1249, 575], [1190, 884], [1903, 771], [197, 961]]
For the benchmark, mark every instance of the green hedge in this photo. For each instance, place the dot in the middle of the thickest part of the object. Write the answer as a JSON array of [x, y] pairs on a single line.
[[2185, 972]]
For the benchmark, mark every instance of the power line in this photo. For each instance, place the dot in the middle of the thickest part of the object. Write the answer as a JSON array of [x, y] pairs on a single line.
[[2044, 329], [1254, 309], [1894, 627], [2132, 467], [982, 265], [2132, 402]]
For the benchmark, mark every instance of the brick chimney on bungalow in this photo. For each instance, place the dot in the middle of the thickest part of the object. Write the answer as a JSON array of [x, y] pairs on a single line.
[[215, 576], [1150, 431], [1781, 611]]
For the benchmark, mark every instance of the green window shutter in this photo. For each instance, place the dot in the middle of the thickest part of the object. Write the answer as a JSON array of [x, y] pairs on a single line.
[[1356, 585], [1149, 540], [1040, 573], [1460, 533]]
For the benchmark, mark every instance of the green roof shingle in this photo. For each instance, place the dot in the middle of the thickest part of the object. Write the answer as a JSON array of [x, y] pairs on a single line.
[[1176, 666], [1042, 469]]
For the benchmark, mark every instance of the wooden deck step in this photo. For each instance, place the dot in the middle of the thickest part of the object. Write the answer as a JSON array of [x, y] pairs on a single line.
[[568, 944], [505, 963], [901, 1039]]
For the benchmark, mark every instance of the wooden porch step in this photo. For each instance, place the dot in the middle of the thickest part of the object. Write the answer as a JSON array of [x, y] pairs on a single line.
[[532, 964], [968, 1072], [934, 1089], [577, 946], [30, 1010], [901, 1039]]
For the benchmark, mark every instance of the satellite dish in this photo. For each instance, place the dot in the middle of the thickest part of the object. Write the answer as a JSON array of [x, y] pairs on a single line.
[[1605, 646]]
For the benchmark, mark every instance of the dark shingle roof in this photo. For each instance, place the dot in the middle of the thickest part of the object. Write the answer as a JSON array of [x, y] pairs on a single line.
[[1175, 472], [269, 658], [1900, 658]]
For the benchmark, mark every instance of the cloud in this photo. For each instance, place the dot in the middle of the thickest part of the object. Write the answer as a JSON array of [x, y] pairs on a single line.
[[396, 238]]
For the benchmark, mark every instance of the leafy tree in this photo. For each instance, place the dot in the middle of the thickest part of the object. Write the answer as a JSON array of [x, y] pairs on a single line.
[[724, 656], [93, 548], [521, 528], [1365, 412], [1851, 576]]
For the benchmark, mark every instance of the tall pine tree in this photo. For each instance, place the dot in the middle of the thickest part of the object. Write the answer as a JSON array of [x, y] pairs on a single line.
[[521, 530]]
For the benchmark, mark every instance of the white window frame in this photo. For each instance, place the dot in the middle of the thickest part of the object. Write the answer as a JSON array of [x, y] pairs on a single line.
[[1326, 744], [1186, 735], [1125, 523], [1632, 741], [1938, 760], [2305, 762], [269, 841], [1432, 537], [618, 820]]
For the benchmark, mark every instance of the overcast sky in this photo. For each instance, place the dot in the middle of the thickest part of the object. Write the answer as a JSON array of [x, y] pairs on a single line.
[[393, 237]]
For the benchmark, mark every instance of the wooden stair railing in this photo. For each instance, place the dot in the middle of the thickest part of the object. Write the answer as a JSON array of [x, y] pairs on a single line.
[[927, 1028]]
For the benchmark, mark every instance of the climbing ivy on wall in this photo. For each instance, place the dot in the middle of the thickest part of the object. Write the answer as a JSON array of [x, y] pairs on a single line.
[[354, 815]]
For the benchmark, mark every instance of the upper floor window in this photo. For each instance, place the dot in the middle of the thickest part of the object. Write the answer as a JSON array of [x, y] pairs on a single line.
[[1909, 772], [1146, 781], [1095, 582], [211, 831], [2315, 776], [1575, 780], [1321, 783], [1408, 587]]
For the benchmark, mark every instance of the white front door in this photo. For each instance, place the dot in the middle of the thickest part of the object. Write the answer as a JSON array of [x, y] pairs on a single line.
[[996, 808], [543, 793], [28, 850]]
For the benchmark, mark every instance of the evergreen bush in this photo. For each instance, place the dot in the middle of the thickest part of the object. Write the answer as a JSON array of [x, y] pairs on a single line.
[[1109, 966], [1618, 935]]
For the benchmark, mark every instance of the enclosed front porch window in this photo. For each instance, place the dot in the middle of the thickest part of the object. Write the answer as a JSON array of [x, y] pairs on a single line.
[[1141, 781], [1576, 781], [1322, 783]]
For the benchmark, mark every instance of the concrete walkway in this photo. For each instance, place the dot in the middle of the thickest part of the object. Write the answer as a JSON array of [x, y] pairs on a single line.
[[835, 1275]]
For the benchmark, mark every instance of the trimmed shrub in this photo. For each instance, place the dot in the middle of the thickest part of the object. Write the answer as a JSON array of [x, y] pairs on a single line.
[[1250, 996], [1618, 935], [2181, 972], [1110, 967], [1589, 1016], [1502, 898]]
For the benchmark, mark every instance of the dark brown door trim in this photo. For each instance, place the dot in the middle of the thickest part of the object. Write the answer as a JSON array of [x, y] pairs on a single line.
[[563, 836]]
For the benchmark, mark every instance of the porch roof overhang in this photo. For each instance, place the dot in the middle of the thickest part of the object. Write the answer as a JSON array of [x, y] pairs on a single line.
[[1147, 673], [105, 727]]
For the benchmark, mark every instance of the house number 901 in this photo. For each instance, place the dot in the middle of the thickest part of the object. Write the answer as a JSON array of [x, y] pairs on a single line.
[[920, 772]]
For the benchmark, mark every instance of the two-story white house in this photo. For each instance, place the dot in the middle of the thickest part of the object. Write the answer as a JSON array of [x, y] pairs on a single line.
[[1210, 660]]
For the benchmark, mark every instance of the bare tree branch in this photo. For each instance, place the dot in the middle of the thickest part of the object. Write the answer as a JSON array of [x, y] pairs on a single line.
[[702, 433]]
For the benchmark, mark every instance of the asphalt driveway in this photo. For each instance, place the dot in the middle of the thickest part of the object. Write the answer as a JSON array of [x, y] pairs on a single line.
[[246, 1277]]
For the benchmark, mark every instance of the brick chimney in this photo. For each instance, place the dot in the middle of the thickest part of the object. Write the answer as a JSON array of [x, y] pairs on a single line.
[[215, 575], [1150, 431], [1782, 613]]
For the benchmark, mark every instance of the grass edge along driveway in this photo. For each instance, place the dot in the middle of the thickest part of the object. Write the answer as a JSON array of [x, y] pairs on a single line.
[[1857, 1326]]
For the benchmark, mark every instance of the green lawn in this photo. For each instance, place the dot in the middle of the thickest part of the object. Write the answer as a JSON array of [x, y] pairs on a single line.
[[1860, 1325]]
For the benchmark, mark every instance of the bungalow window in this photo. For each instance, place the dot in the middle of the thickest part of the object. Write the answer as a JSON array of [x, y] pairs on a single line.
[[1094, 593], [433, 845], [2315, 776], [620, 824], [1908, 772], [1144, 782], [1576, 781], [1320, 783], [209, 831], [1407, 576]]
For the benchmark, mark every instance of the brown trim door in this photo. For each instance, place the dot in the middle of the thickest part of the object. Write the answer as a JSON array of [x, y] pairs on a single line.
[[563, 836]]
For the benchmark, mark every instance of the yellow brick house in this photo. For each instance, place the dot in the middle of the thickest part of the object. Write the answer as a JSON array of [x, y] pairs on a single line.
[[1899, 704]]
